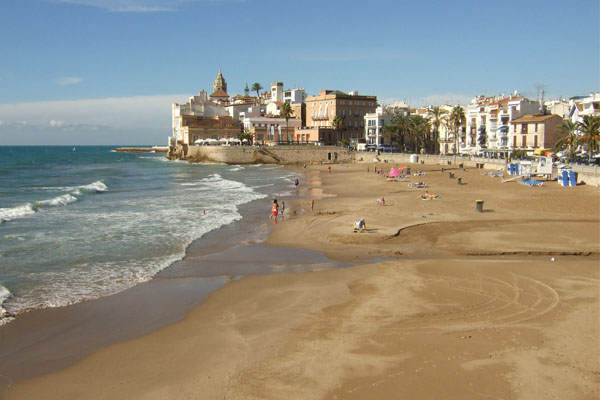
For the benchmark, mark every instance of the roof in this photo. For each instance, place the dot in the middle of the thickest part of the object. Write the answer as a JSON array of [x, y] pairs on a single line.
[[219, 93], [533, 118]]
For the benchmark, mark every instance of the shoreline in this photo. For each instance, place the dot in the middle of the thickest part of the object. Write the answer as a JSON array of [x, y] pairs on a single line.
[[435, 316], [31, 346]]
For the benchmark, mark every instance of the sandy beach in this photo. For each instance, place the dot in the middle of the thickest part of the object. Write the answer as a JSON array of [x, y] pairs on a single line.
[[441, 301]]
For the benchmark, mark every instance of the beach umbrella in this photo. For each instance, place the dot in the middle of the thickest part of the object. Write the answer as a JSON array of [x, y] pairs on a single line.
[[223, 140], [394, 172], [199, 141]]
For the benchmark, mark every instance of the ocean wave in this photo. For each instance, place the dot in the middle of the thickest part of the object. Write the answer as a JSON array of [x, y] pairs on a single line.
[[103, 269], [5, 316], [93, 187], [8, 214], [212, 178], [263, 186], [22, 211], [63, 200], [236, 168]]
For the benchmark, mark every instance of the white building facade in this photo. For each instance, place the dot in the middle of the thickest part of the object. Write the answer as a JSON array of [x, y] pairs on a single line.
[[488, 120], [375, 124], [198, 105]]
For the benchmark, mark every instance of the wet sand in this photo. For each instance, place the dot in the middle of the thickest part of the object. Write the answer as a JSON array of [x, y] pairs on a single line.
[[499, 304]]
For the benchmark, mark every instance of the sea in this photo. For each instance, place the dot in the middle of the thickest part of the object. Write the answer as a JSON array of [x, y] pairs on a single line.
[[79, 223]]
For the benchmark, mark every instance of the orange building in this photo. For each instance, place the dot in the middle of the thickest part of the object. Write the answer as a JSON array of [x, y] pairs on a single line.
[[352, 107]]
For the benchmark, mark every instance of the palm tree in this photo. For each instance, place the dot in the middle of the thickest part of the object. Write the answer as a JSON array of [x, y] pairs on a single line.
[[570, 140], [457, 120], [420, 129], [437, 117], [337, 124], [590, 130], [399, 128], [286, 112], [256, 87]]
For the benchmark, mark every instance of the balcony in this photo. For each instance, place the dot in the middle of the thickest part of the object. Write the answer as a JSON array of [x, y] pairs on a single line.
[[325, 118]]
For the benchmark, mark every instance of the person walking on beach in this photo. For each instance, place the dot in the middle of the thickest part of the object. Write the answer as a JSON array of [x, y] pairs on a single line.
[[329, 168], [297, 182], [282, 208]]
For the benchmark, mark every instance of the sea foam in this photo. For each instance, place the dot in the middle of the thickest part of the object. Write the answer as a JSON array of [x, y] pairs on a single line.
[[4, 315], [8, 214], [12, 213]]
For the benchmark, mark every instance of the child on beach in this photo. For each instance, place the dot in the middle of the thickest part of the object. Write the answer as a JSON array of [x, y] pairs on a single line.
[[275, 210], [282, 208]]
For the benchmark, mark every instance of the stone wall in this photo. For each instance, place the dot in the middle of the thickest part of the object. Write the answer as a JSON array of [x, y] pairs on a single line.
[[262, 154]]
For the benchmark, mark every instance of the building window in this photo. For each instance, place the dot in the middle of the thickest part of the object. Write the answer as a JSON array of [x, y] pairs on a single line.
[[535, 140], [523, 128], [536, 127], [524, 141]]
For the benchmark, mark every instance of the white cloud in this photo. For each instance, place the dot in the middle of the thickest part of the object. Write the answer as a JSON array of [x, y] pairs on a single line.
[[141, 6], [69, 80], [120, 120]]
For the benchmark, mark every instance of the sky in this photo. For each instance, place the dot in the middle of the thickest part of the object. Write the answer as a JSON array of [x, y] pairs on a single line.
[[76, 72]]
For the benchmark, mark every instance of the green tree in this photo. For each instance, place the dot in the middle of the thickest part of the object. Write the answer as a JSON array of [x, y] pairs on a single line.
[[457, 119], [420, 129], [437, 117], [399, 129], [256, 88], [569, 140], [338, 124], [286, 112], [245, 135], [590, 131]]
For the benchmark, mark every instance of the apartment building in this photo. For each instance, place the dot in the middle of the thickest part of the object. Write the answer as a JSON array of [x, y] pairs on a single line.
[[375, 123], [488, 120], [352, 107], [535, 131]]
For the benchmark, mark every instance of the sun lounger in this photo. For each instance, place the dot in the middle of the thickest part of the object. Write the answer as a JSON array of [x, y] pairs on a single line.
[[531, 182]]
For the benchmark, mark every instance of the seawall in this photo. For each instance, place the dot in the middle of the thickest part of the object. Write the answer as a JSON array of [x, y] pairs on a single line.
[[261, 154]]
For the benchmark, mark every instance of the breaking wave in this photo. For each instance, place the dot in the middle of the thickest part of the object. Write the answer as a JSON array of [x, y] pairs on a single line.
[[22, 211]]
